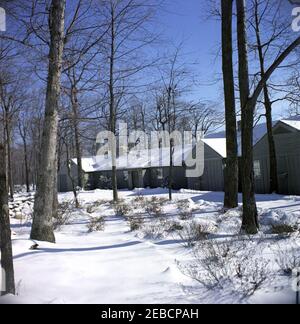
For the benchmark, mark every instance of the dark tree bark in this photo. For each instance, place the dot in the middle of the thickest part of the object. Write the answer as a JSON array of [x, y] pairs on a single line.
[[250, 216], [231, 169], [23, 134], [250, 221], [268, 108], [112, 102], [46, 195], [5, 232], [7, 136], [75, 108]]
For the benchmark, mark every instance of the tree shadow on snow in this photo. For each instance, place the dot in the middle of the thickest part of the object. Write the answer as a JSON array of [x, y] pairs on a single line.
[[88, 249]]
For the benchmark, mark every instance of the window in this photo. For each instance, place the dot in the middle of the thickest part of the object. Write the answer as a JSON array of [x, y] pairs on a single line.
[[257, 170]]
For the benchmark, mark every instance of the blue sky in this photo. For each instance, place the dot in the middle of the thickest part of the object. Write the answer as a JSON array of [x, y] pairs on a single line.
[[187, 21]]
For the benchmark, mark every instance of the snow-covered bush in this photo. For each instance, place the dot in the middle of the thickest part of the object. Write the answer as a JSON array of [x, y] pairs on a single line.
[[234, 265], [153, 231], [96, 224], [157, 229], [193, 232], [288, 260], [140, 202], [92, 208], [64, 213], [283, 229], [135, 223], [122, 208], [154, 207], [279, 221], [174, 227], [184, 209]]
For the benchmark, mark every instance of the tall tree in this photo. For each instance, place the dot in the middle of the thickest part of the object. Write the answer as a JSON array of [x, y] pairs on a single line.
[[123, 58], [269, 33], [23, 131], [231, 169], [5, 233], [44, 207], [248, 103], [250, 219]]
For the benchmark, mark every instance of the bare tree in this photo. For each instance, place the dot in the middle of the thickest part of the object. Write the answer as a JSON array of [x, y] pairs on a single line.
[[270, 33], [231, 172], [170, 107], [5, 233], [42, 228], [248, 103], [127, 37], [24, 132], [11, 96]]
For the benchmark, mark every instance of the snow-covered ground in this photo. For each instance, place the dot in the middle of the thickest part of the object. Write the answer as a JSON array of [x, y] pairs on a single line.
[[147, 265]]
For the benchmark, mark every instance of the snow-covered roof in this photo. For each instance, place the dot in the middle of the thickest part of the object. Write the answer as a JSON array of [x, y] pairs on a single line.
[[141, 159], [217, 144], [259, 132], [292, 122], [144, 159]]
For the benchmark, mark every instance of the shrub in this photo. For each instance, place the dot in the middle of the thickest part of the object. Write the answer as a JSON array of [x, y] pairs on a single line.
[[184, 209], [96, 224], [64, 213], [140, 202], [288, 260], [174, 227], [231, 264], [154, 231], [135, 223], [121, 208], [92, 208], [154, 207], [283, 229], [192, 233]]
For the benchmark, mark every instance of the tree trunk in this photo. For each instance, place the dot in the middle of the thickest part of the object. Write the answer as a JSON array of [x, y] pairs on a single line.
[[7, 268], [231, 169], [26, 167], [112, 107], [46, 195], [171, 170], [250, 216], [73, 182], [8, 152], [27, 175], [75, 109], [268, 108], [274, 185]]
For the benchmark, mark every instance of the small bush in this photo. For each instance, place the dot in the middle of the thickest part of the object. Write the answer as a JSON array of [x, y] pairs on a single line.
[[174, 227], [140, 202], [96, 224], [230, 264], [192, 233], [135, 223], [121, 208], [288, 260], [154, 207], [154, 231], [283, 229], [64, 214], [92, 208], [184, 209]]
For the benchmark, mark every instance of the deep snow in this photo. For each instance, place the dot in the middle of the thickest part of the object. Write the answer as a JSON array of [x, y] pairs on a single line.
[[119, 266]]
